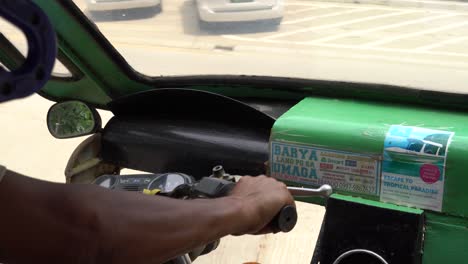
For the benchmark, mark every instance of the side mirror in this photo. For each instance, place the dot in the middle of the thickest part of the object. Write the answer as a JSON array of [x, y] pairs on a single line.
[[72, 119]]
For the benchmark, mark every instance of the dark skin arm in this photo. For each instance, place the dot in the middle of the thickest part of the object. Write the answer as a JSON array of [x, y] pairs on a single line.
[[44, 222]]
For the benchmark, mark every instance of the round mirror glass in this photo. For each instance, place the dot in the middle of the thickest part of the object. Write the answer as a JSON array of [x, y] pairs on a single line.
[[72, 119]]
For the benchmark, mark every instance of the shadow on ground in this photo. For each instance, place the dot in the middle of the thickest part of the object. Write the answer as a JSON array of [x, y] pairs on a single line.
[[193, 25]]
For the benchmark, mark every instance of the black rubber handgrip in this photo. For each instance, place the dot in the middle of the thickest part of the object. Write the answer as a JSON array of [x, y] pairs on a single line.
[[285, 220]]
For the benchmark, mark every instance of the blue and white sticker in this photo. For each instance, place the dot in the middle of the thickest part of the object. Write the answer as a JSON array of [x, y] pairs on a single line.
[[413, 167], [308, 165]]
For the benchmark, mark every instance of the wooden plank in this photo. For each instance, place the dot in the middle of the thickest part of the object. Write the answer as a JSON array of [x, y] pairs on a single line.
[[295, 247]]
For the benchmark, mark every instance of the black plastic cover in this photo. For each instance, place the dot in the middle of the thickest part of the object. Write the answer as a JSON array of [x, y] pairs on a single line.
[[394, 235], [186, 131]]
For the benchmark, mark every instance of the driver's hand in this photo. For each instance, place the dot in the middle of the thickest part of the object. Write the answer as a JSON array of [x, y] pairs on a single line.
[[261, 199]]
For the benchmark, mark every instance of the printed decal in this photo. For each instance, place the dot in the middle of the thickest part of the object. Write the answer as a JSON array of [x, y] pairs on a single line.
[[413, 167], [314, 166]]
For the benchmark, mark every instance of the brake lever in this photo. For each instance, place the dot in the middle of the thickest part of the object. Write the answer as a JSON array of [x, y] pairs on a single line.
[[323, 191]]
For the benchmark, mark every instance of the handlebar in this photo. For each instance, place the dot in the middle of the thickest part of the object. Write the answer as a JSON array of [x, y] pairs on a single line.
[[286, 218], [178, 185]]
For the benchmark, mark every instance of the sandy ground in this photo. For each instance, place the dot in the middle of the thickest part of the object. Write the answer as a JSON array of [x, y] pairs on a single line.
[[27, 146]]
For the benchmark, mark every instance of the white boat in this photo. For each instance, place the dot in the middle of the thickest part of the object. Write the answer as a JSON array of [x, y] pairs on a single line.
[[425, 152]]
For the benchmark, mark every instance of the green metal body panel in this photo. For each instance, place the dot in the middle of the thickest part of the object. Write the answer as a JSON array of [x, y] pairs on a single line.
[[445, 239], [361, 127]]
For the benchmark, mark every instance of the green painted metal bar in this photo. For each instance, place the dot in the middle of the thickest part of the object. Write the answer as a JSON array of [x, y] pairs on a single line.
[[82, 49], [378, 204], [77, 90], [10, 56]]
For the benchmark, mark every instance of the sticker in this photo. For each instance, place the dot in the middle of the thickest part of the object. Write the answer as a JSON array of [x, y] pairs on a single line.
[[413, 169], [309, 165]]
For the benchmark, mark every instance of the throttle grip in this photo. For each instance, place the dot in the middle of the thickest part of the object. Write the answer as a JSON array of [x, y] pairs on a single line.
[[285, 220]]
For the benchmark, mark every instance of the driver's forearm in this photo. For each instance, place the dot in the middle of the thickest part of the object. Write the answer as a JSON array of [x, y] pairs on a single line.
[[145, 229], [39, 223], [53, 223]]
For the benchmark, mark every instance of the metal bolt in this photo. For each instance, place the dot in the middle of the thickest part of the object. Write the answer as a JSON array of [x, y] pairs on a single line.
[[218, 171]]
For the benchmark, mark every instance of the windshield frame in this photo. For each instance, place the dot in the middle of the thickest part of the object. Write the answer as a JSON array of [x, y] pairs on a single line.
[[237, 86]]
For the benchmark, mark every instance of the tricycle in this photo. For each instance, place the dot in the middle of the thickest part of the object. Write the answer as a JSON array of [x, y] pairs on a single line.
[[393, 155]]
